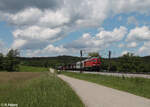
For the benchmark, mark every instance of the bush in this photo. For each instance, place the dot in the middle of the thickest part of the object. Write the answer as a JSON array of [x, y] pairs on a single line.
[[113, 67]]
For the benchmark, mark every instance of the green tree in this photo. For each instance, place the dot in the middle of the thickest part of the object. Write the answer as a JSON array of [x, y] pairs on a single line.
[[11, 61], [129, 63], [1, 61]]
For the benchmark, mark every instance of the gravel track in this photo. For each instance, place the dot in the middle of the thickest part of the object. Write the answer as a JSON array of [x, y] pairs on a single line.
[[94, 95]]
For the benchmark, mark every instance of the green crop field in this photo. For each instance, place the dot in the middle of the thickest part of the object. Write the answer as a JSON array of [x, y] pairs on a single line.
[[137, 86], [36, 89]]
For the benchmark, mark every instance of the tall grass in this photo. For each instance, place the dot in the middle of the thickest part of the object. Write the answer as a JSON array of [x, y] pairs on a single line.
[[137, 86], [42, 91]]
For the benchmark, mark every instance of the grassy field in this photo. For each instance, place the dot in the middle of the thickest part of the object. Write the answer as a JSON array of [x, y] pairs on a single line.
[[137, 86], [36, 89], [32, 69]]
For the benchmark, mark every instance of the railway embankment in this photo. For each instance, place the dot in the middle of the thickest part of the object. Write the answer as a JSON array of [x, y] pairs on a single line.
[[114, 74]]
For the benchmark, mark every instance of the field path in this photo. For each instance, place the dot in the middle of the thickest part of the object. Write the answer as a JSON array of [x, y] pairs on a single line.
[[51, 70], [94, 95]]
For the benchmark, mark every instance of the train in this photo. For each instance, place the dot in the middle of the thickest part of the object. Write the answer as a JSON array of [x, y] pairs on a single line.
[[89, 64]]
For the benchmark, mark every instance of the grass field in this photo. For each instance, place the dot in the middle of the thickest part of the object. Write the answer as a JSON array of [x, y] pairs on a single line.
[[32, 69], [36, 89], [137, 86]]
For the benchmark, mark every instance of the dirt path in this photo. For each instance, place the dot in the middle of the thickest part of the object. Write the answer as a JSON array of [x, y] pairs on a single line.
[[51, 70], [94, 95]]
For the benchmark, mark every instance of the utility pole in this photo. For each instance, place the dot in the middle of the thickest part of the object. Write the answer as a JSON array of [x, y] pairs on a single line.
[[80, 61], [109, 60]]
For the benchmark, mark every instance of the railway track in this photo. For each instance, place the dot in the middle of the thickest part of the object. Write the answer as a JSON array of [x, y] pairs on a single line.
[[116, 74]]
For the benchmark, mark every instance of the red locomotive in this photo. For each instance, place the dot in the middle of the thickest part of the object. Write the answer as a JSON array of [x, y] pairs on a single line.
[[92, 64], [88, 64]]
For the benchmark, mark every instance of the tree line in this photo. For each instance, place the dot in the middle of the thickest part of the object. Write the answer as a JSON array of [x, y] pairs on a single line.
[[9, 62], [127, 63]]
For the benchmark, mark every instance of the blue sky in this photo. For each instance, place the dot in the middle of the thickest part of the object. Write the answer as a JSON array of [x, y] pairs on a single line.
[[5, 34], [64, 27]]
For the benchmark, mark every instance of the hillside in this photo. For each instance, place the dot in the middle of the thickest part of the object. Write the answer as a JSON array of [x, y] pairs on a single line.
[[48, 61]]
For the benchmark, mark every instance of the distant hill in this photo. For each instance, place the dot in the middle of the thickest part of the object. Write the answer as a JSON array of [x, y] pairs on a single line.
[[48, 61], [65, 60], [147, 58]]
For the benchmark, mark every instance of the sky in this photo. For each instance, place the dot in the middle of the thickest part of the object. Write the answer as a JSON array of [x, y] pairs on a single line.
[[64, 27]]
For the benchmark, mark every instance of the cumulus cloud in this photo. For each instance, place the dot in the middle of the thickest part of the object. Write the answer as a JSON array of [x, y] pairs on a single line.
[[35, 16], [26, 17], [145, 49], [128, 45], [36, 33], [100, 41], [124, 52], [55, 50], [132, 45], [85, 42], [38, 26], [34, 36], [115, 35], [141, 6], [139, 34], [49, 50], [40, 23], [53, 19]]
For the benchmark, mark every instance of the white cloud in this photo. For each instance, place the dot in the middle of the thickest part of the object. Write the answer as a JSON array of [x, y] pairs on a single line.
[[34, 36], [145, 49], [142, 49], [141, 6], [124, 52], [100, 41], [53, 19], [25, 17], [128, 45], [36, 33], [44, 22], [18, 43], [139, 34], [47, 51], [115, 35], [87, 42], [132, 45], [55, 50]]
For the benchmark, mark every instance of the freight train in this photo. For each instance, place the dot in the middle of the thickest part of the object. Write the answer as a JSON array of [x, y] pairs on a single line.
[[89, 64]]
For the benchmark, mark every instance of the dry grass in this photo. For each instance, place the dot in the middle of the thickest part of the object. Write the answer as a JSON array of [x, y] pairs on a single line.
[[13, 77]]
